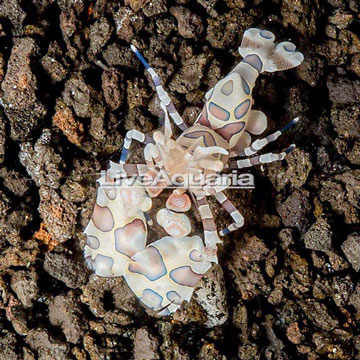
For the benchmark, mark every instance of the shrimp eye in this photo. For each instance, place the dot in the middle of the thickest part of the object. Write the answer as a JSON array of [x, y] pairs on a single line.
[[219, 112]]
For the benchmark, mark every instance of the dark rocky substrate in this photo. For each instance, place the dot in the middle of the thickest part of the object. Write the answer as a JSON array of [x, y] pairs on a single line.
[[287, 285]]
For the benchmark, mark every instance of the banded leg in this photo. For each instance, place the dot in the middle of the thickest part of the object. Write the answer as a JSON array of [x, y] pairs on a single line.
[[152, 155], [154, 163], [210, 231], [260, 159], [162, 94], [129, 170], [233, 211], [130, 135], [153, 158], [260, 143], [134, 169]]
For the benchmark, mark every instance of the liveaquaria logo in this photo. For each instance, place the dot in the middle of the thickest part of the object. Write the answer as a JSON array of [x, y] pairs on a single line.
[[232, 180]]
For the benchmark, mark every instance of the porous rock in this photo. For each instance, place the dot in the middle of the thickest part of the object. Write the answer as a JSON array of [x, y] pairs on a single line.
[[351, 249], [294, 209], [145, 345], [41, 161], [319, 236], [24, 284], [58, 214], [20, 101], [189, 25], [70, 271], [65, 312], [210, 293], [46, 346]]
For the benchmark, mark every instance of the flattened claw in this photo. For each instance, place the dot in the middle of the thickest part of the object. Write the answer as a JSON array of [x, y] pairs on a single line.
[[165, 288], [131, 238], [117, 229]]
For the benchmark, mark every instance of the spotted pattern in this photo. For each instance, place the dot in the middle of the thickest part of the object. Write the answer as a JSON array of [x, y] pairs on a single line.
[[102, 218], [103, 265], [148, 263], [227, 88], [245, 86], [164, 274], [208, 138], [93, 242], [183, 275], [242, 109], [254, 61], [219, 112]]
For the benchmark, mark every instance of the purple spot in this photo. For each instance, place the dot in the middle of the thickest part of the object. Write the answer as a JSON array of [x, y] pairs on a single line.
[[227, 88], [219, 112], [245, 86], [131, 238], [242, 109], [184, 276], [228, 131], [266, 34], [93, 242], [290, 47], [208, 138], [103, 265], [102, 218], [148, 263], [151, 298], [254, 61], [174, 297]]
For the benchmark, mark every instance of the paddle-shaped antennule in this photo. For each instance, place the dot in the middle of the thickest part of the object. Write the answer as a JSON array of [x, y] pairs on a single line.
[[259, 50]]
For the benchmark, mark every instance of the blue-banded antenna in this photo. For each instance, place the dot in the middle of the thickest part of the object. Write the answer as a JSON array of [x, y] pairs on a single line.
[[139, 56]]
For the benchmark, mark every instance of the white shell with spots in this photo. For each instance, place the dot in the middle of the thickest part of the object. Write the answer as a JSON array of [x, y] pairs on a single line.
[[163, 274], [165, 278], [109, 248]]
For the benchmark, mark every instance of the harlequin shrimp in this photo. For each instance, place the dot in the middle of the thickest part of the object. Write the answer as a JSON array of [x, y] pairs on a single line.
[[163, 274]]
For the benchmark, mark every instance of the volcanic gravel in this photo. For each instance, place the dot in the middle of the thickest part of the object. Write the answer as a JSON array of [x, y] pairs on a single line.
[[287, 284]]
